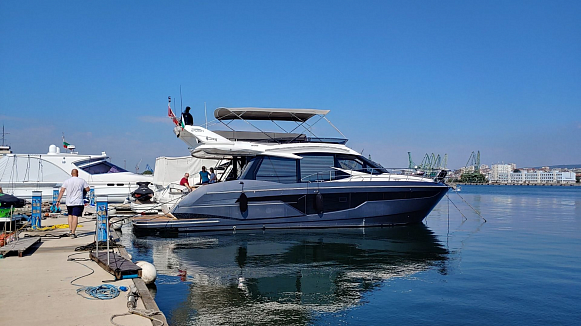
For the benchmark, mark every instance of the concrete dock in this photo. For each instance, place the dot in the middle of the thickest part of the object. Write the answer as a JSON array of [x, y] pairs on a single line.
[[36, 289]]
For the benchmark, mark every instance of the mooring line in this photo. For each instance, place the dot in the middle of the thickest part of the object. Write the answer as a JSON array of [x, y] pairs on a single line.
[[474, 209], [459, 211]]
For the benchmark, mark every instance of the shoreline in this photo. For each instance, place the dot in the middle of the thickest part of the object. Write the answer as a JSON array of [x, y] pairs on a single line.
[[519, 184]]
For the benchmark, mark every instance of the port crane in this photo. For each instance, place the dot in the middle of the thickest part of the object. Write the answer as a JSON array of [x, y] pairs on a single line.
[[431, 164]]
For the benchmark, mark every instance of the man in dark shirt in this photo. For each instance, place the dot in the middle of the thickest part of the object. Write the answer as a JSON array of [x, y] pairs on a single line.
[[187, 117]]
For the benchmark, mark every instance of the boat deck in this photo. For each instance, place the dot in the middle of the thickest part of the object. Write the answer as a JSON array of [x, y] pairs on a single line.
[[155, 218]]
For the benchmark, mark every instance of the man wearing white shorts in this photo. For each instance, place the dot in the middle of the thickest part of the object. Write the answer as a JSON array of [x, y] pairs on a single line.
[[74, 187]]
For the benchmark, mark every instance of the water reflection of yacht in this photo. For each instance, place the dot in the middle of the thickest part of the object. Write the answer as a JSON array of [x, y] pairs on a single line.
[[291, 180], [295, 273], [20, 174]]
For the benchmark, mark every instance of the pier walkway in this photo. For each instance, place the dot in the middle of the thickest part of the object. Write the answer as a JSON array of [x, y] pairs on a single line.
[[36, 289]]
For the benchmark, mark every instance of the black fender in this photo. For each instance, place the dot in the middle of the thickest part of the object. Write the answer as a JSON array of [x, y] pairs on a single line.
[[243, 202], [319, 203]]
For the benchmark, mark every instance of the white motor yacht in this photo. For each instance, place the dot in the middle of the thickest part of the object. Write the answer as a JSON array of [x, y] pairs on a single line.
[[20, 174], [292, 180]]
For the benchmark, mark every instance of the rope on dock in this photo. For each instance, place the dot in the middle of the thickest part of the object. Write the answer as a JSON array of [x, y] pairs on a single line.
[[101, 292], [140, 312]]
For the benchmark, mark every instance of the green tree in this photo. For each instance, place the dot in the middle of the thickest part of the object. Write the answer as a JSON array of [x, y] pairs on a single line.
[[473, 178]]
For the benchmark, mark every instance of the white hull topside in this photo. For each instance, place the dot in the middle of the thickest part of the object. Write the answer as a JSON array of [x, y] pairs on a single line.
[[20, 174]]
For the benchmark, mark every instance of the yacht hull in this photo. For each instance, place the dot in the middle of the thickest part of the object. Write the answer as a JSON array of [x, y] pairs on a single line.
[[221, 207]]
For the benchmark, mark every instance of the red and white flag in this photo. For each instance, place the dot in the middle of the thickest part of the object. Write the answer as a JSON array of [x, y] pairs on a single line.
[[170, 113]]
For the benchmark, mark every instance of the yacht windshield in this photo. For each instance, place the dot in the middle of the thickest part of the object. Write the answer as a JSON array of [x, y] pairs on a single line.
[[99, 166], [359, 164]]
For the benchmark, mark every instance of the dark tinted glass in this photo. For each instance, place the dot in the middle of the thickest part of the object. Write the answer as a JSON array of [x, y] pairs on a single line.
[[102, 167], [317, 167], [277, 169]]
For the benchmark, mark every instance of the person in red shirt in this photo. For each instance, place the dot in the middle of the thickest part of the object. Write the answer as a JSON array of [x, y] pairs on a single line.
[[184, 181]]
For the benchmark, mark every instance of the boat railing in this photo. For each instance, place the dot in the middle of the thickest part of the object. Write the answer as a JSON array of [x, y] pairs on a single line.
[[366, 174]]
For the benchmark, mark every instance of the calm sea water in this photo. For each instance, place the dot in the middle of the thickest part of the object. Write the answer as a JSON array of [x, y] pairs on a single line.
[[521, 267]]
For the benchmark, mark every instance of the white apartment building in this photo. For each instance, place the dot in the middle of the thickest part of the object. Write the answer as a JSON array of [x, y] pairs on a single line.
[[500, 172], [503, 173]]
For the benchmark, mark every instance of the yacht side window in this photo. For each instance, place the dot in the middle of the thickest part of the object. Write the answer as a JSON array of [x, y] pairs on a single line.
[[317, 167], [277, 169]]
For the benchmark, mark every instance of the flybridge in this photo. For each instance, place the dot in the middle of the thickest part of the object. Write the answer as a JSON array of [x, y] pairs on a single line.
[[300, 116], [203, 142]]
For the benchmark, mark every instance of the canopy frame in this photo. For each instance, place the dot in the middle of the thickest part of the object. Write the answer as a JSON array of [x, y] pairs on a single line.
[[299, 116]]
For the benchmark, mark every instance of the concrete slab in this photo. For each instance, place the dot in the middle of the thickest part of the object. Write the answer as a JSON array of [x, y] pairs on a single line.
[[37, 289]]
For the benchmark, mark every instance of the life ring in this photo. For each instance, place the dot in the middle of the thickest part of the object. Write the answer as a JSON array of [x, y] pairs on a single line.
[[318, 204], [243, 202]]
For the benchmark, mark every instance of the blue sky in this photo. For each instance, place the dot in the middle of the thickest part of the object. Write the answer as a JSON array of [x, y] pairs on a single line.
[[444, 77]]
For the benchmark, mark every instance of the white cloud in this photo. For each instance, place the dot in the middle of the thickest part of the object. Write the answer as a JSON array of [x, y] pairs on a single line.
[[154, 119]]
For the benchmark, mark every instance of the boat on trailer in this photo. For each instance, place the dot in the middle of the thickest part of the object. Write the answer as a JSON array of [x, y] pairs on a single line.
[[291, 180]]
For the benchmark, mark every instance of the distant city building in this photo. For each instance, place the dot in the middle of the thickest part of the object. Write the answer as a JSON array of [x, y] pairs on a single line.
[[484, 169], [508, 174], [499, 172]]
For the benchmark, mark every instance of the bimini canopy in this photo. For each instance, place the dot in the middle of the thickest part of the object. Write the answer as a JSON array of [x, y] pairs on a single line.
[[299, 115]]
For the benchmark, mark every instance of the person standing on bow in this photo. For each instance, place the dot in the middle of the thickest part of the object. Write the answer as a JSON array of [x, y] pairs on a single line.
[[74, 187], [187, 118]]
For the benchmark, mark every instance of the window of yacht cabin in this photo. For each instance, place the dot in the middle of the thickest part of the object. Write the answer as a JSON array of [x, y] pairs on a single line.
[[350, 163], [101, 167], [249, 172], [277, 169], [359, 163], [317, 167]]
